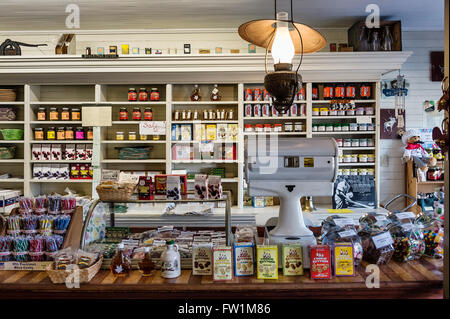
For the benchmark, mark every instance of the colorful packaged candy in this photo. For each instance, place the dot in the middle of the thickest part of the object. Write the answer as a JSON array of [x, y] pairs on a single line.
[[320, 262], [267, 261], [243, 259], [222, 263], [343, 259], [292, 259], [202, 258]]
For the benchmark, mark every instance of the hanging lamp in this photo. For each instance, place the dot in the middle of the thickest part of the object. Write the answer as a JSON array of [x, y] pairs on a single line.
[[275, 36]]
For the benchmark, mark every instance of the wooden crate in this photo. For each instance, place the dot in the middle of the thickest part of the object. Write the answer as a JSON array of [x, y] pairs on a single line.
[[396, 29]]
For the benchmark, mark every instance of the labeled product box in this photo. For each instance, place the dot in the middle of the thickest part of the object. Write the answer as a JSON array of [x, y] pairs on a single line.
[[56, 152], [211, 132], [64, 169], [36, 152], [244, 259], [69, 152], [222, 263], [222, 132], [89, 151], [292, 259], [214, 187], [74, 171], [54, 171], [80, 152], [46, 152], [183, 182], [201, 186], [47, 171], [320, 259], [38, 172], [8, 201], [343, 260], [199, 132], [175, 132], [267, 261], [145, 188], [160, 184], [258, 201], [186, 132], [202, 258], [84, 171], [232, 132], [173, 187]]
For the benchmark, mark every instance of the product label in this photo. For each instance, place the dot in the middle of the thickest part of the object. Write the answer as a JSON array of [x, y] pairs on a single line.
[[202, 259], [320, 262], [267, 262], [347, 233], [405, 215], [243, 259], [382, 240], [342, 222], [292, 259], [223, 261], [380, 218], [343, 260]]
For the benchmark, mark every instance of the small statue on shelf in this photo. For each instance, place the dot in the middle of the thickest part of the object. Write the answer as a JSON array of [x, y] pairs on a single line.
[[415, 151]]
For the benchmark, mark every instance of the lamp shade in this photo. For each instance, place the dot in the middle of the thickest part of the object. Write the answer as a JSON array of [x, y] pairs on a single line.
[[261, 33]]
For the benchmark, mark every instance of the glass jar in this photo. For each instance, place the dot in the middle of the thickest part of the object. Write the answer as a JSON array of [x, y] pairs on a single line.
[[407, 228], [90, 133], [143, 137], [324, 111], [76, 114], [377, 245], [288, 127], [363, 142], [347, 158], [369, 110], [337, 127], [360, 111], [362, 158], [195, 96], [41, 114], [329, 128], [195, 115], [156, 137], [315, 111], [79, 133], [371, 171], [314, 127], [278, 127], [132, 136], [345, 171], [298, 127], [350, 112], [353, 126], [339, 91], [321, 128], [362, 171], [355, 142], [340, 142], [215, 95], [137, 114], [69, 133], [60, 133], [148, 114], [345, 127], [353, 172], [38, 133], [374, 220], [267, 127], [371, 158], [328, 91], [248, 128], [362, 127], [51, 133], [120, 136], [347, 142], [143, 94], [354, 158], [340, 158], [123, 114], [53, 114], [430, 228], [370, 142], [65, 114], [259, 128], [132, 95], [154, 94]]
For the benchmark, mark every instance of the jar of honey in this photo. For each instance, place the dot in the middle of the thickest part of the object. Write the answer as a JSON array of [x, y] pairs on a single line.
[[90, 133], [39, 133], [65, 114], [123, 114], [76, 115], [132, 136], [54, 115], [143, 137], [41, 114], [119, 136], [60, 134], [69, 133], [156, 137], [51, 133]]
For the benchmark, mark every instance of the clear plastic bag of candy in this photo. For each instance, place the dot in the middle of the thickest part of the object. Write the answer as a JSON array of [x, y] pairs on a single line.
[[377, 244]]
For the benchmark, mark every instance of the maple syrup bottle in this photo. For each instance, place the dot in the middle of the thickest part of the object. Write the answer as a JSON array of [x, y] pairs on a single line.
[[195, 96], [215, 96], [121, 264], [146, 265]]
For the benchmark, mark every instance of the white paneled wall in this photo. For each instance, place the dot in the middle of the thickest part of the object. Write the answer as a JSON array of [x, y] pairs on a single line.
[[417, 73]]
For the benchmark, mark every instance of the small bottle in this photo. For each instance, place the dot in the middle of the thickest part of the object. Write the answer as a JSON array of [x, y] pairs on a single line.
[[69, 133], [53, 115], [146, 265], [51, 133], [132, 95], [215, 96], [90, 133], [154, 94], [60, 134], [120, 264], [65, 114], [170, 258], [41, 114], [143, 94], [195, 96], [76, 115], [123, 114]]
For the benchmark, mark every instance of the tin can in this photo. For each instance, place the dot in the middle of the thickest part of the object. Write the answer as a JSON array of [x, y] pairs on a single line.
[[257, 110], [339, 91], [274, 111], [257, 95], [266, 110], [301, 94], [294, 110], [248, 94], [247, 110], [266, 95]]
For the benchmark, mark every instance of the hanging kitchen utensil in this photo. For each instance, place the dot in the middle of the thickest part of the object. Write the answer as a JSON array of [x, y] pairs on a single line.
[[10, 47]]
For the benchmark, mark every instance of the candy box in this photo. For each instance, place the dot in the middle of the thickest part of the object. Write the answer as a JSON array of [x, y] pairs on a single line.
[[202, 258], [222, 132], [173, 187], [80, 152], [320, 262], [343, 259], [46, 152], [69, 152], [64, 171], [243, 259], [145, 188], [201, 186], [232, 132], [47, 171], [55, 172], [222, 263], [74, 171], [84, 171], [214, 187], [292, 259], [36, 152], [38, 171], [89, 151], [56, 153], [267, 261], [211, 132], [175, 132], [199, 132], [160, 184], [186, 132], [183, 182]]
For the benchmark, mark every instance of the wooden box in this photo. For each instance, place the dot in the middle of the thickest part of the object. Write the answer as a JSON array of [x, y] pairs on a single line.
[[396, 32]]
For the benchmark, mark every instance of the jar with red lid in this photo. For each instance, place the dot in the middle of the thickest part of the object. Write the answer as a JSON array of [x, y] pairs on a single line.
[[364, 91], [154, 94], [132, 95], [259, 128], [143, 94], [350, 91], [248, 128], [328, 90], [339, 91], [278, 127], [137, 114], [267, 127], [123, 114], [148, 114]]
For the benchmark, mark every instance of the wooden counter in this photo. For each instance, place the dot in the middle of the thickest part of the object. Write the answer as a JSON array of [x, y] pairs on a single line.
[[415, 279]]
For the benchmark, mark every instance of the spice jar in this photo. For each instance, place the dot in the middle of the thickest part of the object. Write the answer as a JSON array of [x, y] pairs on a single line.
[[60, 133], [65, 114], [132, 136], [41, 114], [90, 133], [123, 114], [148, 114], [79, 133], [154, 94], [53, 115], [51, 133], [137, 114], [143, 94], [132, 95], [76, 114], [69, 133], [119, 136], [38, 133]]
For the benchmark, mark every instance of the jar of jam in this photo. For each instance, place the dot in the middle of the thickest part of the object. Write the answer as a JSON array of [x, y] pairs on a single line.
[[132, 136], [119, 136], [267, 127], [143, 137], [350, 91], [154, 94], [259, 128], [76, 114], [51, 133], [41, 114], [156, 137], [143, 94], [69, 133], [148, 114], [278, 127], [248, 128], [132, 95], [60, 133], [288, 127], [65, 114], [137, 114], [79, 133], [90, 133], [123, 114], [54, 115], [38, 133], [328, 90]]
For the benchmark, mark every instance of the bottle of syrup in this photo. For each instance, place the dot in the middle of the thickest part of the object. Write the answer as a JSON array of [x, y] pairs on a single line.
[[195, 96], [146, 265], [215, 96], [121, 264]]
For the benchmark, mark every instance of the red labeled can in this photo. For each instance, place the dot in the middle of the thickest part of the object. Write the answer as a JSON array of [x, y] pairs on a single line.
[[266, 110], [339, 91], [248, 110], [248, 95], [257, 110], [320, 262], [350, 91], [294, 110], [257, 95], [364, 91], [266, 96], [274, 111]]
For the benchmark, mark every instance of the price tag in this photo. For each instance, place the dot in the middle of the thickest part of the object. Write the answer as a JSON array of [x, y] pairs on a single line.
[[380, 218], [342, 222], [382, 240], [159, 242], [152, 128], [405, 215], [347, 233], [363, 120], [407, 227]]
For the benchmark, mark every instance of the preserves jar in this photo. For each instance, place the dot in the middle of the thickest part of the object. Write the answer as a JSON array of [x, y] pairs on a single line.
[[360, 111], [195, 96], [65, 114], [53, 114], [288, 127], [333, 113], [371, 158], [339, 142], [371, 171], [41, 114], [132, 136], [277, 127], [123, 114], [354, 158], [315, 127], [51, 133], [346, 171], [248, 128], [38, 133], [337, 127], [60, 133], [259, 128], [370, 142], [362, 127], [362, 171], [143, 94], [341, 158], [362, 158], [79, 133], [154, 94], [347, 142], [148, 114], [143, 137], [347, 158], [363, 142], [315, 111], [369, 110], [132, 95], [321, 128], [355, 142], [345, 127], [298, 127], [156, 137], [137, 114], [350, 112], [354, 172], [76, 114], [90, 133], [120, 136], [370, 126], [324, 111], [69, 133], [267, 127], [353, 126], [329, 128]]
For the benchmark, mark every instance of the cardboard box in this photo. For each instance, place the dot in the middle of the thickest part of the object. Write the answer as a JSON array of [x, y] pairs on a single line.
[[292, 259], [211, 132], [8, 201], [244, 264], [343, 259], [222, 263], [267, 261], [202, 258], [320, 262]]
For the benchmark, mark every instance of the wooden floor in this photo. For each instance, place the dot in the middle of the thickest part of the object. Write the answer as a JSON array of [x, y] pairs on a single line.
[[415, 279]]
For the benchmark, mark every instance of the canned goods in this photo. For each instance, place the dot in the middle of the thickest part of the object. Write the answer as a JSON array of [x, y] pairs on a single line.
[[355, 142], [362, 127], [323, 111], [266, 110], [369, 110], [257, 95], [277, 127], [346, 171], [267, 127], [354, 158], [259, 128], [266, 95], [354, 172], [257, 110], [298, 127], [339, 142], [347, 142], [353, 126], [362, 158], [294, 110], [248, 128], [360, 111], [248, 94], [315, 111]]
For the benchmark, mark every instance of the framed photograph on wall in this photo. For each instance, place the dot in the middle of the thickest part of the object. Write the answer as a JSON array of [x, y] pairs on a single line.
[[390, 123]]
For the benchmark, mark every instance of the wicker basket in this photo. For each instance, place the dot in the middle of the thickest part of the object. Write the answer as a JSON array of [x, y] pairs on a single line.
[[60, 276], [121, 193], [7, 95]]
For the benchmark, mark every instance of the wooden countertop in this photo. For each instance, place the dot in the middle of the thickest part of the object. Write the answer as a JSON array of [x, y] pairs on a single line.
[[414, 279]]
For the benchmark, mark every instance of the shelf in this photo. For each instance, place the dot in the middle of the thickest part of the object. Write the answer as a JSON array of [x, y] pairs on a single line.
[[137, 103], [204, 102], [57, 103], [133, 142], [205, 122], [12, 103], [12, 122], [274, 133], [303, 117], [345, 133], [223, 180], [356, 164], [356, 148], [60, 161], [342, 117], [12, 160], [269, 102], [204, 161], [126, 122], [218, 142], [61, 180], [57, 123], [117, 161], [431, 183], [12, 141], [356, 101], [11, 180], [61, 142]]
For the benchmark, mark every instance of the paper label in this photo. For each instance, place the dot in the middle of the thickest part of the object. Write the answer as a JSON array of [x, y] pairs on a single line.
[[380, 218], [406, 215], [382, 240], [339, 211], [363, 120], [152, 128], [342, 222], [267, 262], [347, 233], [223, 261], [343, 260], [407, 227]]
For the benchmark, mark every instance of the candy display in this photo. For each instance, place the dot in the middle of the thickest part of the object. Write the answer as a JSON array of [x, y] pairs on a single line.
[[30, 225], [37, 248], [430, 228], [5, 248], [292, 259], [244, 259], [377, 244], [267, 261], [20, 248], [25, 205], [13, 225], [345, 234], [222, 263]]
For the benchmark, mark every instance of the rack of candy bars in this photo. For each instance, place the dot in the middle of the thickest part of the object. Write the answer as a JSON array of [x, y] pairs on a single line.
[[36, 231]]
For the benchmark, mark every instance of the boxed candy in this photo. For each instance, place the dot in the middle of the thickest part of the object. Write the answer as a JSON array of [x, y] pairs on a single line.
[[320, 262], [69, 152], [56, 152], [80, 152], [173, 187], [292, 259], [46, 152], [145, 188], [222, 263], [36, 152], [38, 172], [243, 259], [89, 151], [202, 258], [343, 259], [214, 187], [201, 186], [267, 261]]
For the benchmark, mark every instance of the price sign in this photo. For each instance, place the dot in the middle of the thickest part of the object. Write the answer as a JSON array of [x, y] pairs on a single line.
[[342, 222], [406, 215], [152, 128], [347, 233], [382, 240], [363, 120]]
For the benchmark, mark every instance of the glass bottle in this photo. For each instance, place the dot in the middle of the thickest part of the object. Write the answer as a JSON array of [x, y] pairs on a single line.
[[386, 43], [375, 42], [363, 39], [121, 264], [146, 264], [195, 96], [215, 96]]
